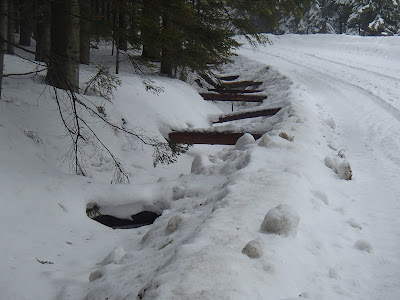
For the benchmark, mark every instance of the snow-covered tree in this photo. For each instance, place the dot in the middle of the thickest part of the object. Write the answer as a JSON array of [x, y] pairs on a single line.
[[374, 17], [323, 16]]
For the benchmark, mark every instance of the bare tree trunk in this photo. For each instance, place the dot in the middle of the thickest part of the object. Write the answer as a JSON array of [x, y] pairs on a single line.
[[167, 54], [10, 26], [42, 31], [123, 41], [3, 35], [150, 30], [63, 69], [26, 22], [84, 37]]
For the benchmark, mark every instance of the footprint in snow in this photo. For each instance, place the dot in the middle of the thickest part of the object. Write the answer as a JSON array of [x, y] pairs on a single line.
[[354, 224], [363, 245], [321, 196]]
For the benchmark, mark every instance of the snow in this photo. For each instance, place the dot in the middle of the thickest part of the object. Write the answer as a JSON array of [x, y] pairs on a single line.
[[340, 104]]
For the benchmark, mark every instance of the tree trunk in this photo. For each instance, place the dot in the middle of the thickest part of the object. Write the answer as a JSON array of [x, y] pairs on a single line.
[[3, 35], [84, 37], [63, 69], [16, 15], [150, 28], [123, 41], [42, 31], [10, 26], [168, 47], [26, 22]]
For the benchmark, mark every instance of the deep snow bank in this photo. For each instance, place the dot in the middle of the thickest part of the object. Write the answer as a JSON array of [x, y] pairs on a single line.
[[222, 205]]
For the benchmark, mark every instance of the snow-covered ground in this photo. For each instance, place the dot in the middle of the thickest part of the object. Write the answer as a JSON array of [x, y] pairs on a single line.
[[332, 238]]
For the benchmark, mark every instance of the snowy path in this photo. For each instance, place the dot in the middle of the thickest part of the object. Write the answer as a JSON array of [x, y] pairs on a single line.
[[364, 101]]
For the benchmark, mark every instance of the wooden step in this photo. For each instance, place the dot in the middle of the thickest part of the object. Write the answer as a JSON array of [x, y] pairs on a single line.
[[207, 137], [241, 84], [229, 77], [236, 91], [210, 81], [247, 115], [233, 97]]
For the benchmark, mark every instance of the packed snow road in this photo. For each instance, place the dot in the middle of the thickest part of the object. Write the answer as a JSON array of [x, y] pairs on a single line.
[[356, 82]]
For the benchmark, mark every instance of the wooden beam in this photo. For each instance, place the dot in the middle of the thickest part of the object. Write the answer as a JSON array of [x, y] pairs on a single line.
[[233, 97], [207, 137], [210, 81], [229, 77], [246, 115], [239, 84], [237, 91]]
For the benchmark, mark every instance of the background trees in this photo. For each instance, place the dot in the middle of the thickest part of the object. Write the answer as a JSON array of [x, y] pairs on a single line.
[[364, 17]]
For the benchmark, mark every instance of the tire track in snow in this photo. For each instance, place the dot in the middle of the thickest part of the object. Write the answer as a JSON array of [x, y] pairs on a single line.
[[392, 110], [352, 66], [374, 139]]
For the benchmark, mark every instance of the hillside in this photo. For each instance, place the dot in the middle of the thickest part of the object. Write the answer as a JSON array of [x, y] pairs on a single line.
[[339, 105]]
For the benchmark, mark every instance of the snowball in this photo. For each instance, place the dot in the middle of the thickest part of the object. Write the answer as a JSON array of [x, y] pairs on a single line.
[[95, 275], [344, 170], [174, 223], [178, 192], [330, 163], [114, 256], [282, 219], [331, 123], [244, 140], [265, 140], [253, 249], [200, 164], [363, 246], [333, 146], [342, 153]]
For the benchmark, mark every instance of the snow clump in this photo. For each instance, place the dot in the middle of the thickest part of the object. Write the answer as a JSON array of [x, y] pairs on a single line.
[[282, 220], [344, 170], [200, 164], [95, 275], [244, 140], [253, 249], [339, 166], [174, 223], [114, 256]]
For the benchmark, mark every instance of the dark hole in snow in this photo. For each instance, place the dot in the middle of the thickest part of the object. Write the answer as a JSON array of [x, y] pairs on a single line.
[[141, 219]]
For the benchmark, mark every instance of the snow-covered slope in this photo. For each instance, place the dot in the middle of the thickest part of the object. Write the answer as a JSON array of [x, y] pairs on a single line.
[[327, 238]]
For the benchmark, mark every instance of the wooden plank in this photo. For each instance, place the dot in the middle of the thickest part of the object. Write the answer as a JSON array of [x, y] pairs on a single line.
[[240, 84], [210, 81], [247, 115], [229, 77], [233, 97], [236, 91], [207, 137]]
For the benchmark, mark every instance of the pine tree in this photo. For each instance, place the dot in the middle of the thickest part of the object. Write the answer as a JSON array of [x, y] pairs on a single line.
[[375, 17]]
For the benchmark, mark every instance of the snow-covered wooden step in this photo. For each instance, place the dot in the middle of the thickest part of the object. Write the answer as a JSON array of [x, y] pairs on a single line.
[[233, 97], [247, 114], [233, 91], [207, 137]]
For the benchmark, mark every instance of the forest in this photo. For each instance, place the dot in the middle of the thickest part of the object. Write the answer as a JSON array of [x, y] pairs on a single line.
[[181, 35]]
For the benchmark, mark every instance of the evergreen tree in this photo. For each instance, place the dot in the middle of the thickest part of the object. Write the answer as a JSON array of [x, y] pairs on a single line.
[[375, 17]]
